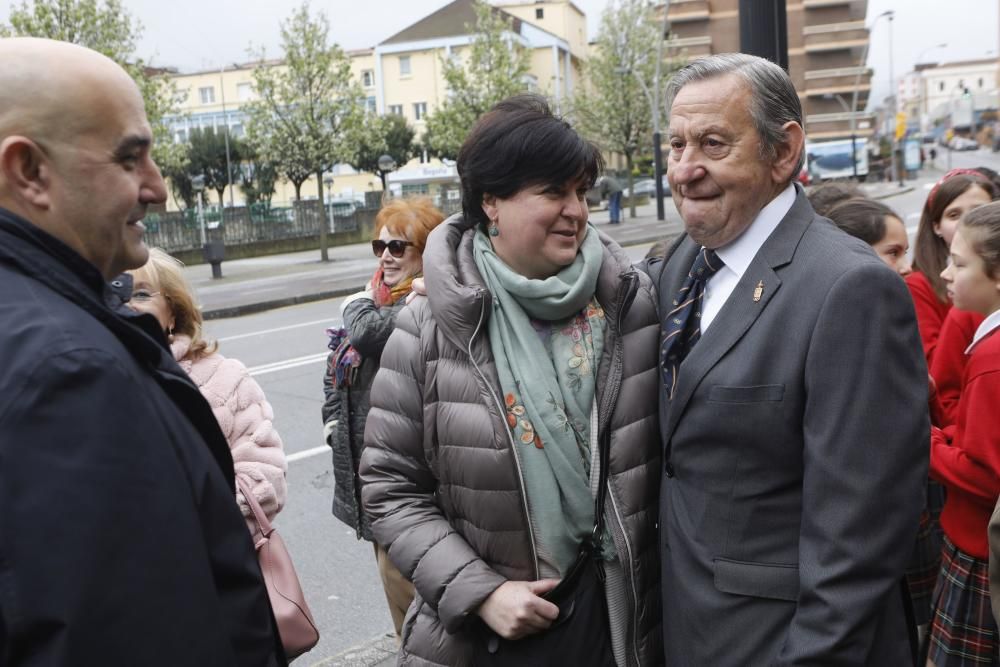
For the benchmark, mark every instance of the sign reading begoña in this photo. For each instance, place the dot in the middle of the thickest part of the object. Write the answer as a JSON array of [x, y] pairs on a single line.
[[833, 159]]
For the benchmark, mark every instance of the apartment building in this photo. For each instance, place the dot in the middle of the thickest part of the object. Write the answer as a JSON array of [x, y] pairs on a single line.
[[403, 75], [827, 48]]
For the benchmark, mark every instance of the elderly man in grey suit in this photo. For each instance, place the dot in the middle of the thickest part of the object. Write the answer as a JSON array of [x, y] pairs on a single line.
[[794, 399]]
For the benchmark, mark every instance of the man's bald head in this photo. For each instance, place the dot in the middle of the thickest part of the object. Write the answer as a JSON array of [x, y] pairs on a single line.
[[50, 88], [75, 150]]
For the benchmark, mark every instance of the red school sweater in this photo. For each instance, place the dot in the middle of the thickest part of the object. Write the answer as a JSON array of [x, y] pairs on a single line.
[[930, 312], [969, 465], [950, 358]]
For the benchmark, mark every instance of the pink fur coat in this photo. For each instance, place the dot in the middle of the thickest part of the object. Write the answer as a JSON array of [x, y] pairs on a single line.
[[245, 418]]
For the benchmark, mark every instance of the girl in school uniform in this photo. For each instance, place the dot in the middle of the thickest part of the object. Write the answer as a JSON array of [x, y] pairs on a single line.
[[957, 193], [965, 457]]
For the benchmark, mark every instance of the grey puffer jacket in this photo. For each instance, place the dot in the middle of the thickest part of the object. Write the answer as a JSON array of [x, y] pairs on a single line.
[[441, 473], [345, 409]]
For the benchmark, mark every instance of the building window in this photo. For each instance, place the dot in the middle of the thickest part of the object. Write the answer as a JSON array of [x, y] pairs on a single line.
[[396, 109], [419, 110], [180, 136], [980, 82], [207, 95], [941, 86], [368, 78], [244, 92], [539, 13], [415, 189], [370, 105], [237, 130], [404, 66]]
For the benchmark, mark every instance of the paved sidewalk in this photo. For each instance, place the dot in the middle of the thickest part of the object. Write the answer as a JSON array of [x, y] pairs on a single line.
[[262, 283]]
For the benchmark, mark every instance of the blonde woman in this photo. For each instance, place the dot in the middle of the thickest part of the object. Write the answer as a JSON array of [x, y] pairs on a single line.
[[238, 402]]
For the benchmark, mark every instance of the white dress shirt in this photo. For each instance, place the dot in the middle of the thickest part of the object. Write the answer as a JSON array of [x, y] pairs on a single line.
[[738, 253], [988, 325]]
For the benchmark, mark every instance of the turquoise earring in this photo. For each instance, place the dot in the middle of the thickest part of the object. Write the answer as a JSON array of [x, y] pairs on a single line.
[[493, 228]]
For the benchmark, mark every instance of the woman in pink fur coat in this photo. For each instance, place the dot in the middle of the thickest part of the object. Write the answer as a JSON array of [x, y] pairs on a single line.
[[244, 415]]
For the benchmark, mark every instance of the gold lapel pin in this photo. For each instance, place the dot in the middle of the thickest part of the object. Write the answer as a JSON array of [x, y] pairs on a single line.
[[758, 291]]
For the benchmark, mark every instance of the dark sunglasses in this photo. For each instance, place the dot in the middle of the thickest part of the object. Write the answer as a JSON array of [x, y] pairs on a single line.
[[396, 248]]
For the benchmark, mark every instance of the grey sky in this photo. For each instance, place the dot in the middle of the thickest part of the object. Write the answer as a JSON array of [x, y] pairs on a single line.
[[204, 34]]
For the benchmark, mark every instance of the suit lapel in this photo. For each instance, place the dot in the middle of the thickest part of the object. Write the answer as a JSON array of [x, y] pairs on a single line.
[[742, 308]]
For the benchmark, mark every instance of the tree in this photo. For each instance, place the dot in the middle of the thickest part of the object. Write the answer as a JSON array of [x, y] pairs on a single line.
[[612, 108], [177, 172], [383, 135], [494, 70], [257, 178], [308, 108], [208, 157], [108, 28]]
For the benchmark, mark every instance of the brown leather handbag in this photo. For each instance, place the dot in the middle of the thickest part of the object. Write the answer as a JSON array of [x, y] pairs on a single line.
[[295, 622]]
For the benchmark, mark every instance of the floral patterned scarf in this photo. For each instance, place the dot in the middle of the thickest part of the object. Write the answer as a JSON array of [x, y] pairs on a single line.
[[547, 337]]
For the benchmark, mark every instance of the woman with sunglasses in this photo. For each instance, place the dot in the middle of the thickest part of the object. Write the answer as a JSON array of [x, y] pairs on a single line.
[[401, 229], [237, 401], [512, 453]]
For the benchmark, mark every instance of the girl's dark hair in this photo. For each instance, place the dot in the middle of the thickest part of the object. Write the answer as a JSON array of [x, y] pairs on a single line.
[[981, 228], [862, 218], [930, 252], [517, 144], [825, 196]]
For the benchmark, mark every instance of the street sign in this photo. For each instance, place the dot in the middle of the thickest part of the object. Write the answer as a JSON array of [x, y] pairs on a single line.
[[911, 155], [900, 125]]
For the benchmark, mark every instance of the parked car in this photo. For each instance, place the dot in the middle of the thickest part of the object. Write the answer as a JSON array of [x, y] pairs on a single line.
[[647, 187], [964, 144]]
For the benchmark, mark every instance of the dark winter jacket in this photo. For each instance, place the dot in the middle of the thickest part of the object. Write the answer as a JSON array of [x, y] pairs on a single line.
[[120, 540], [345, 409], [442, 478]]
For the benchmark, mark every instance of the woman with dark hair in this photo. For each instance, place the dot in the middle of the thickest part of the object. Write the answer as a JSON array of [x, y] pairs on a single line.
[[877, 225], [957, 193], [401, 229], [512, 458]]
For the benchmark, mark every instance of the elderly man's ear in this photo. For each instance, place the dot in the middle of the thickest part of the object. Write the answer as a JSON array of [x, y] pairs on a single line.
[[786, 161], [25, 173]]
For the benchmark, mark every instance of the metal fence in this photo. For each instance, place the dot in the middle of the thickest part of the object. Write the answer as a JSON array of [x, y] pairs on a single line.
[[181, 231]]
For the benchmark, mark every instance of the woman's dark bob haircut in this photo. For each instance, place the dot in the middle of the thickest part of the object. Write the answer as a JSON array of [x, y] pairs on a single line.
[[520, 144]]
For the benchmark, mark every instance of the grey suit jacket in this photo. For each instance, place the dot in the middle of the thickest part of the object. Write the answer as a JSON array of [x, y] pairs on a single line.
[[797, 444]]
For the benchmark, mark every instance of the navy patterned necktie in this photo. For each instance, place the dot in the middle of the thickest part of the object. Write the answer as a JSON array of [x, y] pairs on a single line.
[[682, 325]]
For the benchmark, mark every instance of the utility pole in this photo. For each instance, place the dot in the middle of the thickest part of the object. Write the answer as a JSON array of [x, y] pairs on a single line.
[[657, 139], [764, 30]]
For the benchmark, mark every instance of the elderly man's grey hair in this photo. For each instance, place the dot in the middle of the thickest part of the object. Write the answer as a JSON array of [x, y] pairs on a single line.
[[773, 100]]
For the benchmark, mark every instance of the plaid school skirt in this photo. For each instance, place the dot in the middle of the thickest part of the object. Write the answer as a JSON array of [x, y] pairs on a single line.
[[925, 562], [963, 631]]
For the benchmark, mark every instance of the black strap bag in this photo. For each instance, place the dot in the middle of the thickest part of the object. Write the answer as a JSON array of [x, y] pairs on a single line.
[[581, 633]]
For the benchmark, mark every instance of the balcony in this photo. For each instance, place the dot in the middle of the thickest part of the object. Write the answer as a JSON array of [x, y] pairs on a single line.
[[816, 4], [835, 36], [838, 125], [690, 47], [837, 80], [688, 11]]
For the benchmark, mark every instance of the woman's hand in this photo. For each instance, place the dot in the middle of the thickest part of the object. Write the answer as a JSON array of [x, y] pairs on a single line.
[[515, 610], [418, 288]]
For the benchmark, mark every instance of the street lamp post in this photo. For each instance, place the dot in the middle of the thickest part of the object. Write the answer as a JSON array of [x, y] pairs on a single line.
[[328, 182], [225, 121], [386, 163], [654, 110], [657, 141], [923, 84], [198, 185], [896, 170], [861, 69], [854, 148]]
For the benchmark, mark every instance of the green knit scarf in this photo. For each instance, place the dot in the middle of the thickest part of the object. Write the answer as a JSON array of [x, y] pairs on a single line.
[[546, 337]]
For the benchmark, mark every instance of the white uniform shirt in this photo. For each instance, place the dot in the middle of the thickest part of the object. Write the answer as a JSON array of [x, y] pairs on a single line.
[[738, 253]]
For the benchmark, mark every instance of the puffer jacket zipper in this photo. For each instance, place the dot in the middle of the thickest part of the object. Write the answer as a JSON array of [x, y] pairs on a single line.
[[626, 295], [510, 437]]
